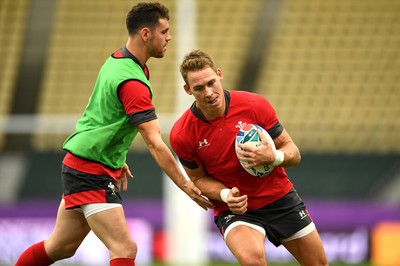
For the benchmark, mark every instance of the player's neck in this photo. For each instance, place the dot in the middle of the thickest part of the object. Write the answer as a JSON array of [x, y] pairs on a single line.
[[138, 50], [211, 115]]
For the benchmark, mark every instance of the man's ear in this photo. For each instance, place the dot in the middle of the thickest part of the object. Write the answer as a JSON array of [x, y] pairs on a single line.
[[219, 74], [145, 33], [187, 89]]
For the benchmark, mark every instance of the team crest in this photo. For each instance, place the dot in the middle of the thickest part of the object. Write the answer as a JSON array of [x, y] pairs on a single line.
[[112, 188], [241, 125]]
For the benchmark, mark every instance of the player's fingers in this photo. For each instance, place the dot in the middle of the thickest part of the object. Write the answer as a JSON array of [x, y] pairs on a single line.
[[238, 208], [235, 192], [241, 200], [263, 139], [243, 148], [261, 135], [237, 202], [118, 182], [196, 195], [203, 202], [252, 164], [127, 171], [129, 174], [237, 205], [196, 191], [126, 183], [123, 183], [239, 211], [244, 155]]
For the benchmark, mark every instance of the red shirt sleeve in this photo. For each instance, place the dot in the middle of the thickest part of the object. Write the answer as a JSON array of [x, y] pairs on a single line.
[[135, 97], [181, 145], [265, 113]]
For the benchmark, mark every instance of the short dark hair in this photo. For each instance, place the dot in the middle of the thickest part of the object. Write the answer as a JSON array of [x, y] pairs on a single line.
[[145, 15], [194, 61]]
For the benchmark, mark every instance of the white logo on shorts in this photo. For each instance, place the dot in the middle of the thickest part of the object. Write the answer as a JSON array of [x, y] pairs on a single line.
[[302, 214], [112, 187], [229, 217]]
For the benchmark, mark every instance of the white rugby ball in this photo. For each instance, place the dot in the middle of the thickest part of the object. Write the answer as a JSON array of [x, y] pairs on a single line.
[[248, 134]]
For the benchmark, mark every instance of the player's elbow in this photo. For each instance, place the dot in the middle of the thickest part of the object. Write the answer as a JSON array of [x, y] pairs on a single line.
[[296, 157]]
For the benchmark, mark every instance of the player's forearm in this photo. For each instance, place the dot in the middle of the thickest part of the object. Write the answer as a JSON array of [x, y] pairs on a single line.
[[292, 155], [210, 187], [164, 158], [291, 152]]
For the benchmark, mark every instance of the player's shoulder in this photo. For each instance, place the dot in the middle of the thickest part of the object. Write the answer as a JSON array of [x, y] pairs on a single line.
[[181, 134], [237, 96], [244, 94], [183, 123]]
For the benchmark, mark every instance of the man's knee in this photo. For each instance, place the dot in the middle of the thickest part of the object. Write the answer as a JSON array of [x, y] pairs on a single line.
[[124, 249]]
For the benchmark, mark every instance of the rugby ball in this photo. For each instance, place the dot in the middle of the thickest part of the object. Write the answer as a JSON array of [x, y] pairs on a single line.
[[248, 134]]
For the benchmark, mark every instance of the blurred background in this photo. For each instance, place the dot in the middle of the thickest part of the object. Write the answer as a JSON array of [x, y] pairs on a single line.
[[330, 68]]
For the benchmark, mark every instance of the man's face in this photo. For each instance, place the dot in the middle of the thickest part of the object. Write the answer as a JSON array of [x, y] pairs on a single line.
[[159, 39], [205, 86]]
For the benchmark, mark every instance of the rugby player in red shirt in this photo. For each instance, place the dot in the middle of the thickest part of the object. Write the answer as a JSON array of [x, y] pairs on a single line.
[[247, 209]]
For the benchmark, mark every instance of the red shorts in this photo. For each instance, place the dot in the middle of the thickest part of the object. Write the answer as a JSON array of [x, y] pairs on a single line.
[[81, 188]]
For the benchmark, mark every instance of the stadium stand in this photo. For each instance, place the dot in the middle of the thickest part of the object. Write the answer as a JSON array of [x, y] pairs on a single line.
[[13, 21], [332, 73], [13, 15], [224, 31]]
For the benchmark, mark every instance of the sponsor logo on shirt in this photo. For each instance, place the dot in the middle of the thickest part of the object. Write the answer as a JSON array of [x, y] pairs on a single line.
[[203, 143]]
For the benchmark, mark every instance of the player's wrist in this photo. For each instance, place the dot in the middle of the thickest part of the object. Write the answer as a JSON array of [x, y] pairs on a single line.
[[279, 157], [224, 194]]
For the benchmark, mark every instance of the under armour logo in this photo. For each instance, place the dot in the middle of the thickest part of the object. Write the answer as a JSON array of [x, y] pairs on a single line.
[[203, 143], [228, 217], [302, 214]]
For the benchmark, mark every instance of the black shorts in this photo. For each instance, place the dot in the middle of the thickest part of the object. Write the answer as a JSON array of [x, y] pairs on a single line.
[[280, 219], [82, 188]]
